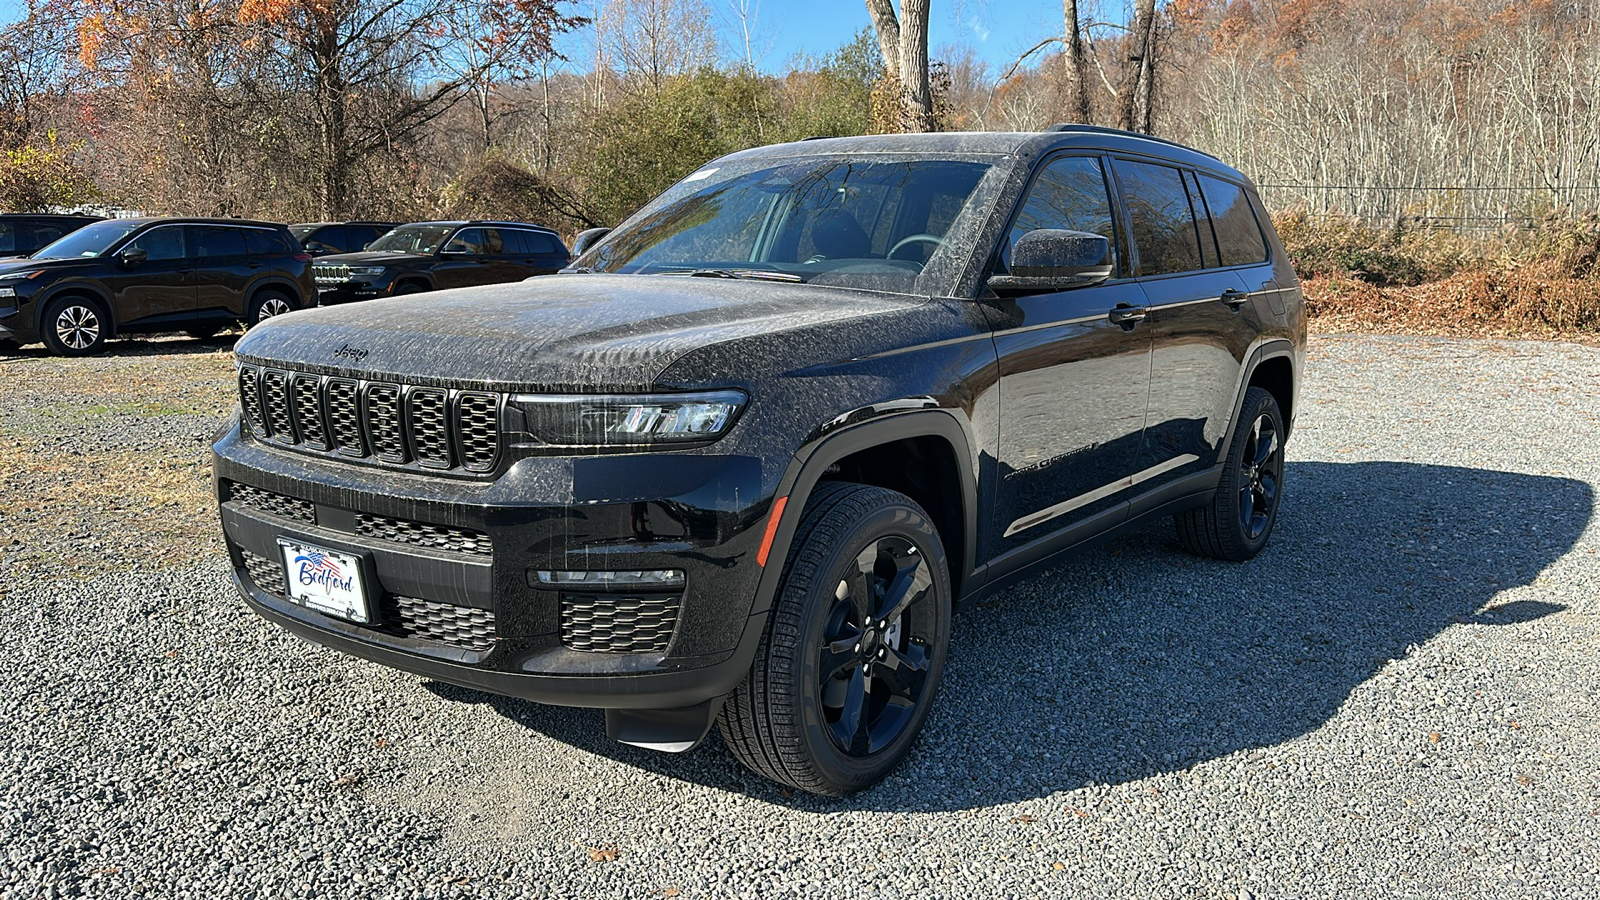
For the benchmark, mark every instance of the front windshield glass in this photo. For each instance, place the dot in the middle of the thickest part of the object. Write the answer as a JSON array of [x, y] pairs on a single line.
[[90, 240], [865, 223], [301, 231], [413, 239]]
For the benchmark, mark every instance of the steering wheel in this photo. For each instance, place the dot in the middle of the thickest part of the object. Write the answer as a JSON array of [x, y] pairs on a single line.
[[933, 239]]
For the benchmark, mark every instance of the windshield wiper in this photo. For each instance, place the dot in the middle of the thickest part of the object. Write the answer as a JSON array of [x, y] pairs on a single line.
[[752, 274]]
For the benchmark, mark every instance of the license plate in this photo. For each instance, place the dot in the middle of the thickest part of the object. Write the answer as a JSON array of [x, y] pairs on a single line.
[[325, 580]]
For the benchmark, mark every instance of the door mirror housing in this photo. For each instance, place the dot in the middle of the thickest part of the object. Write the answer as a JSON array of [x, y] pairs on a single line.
[[1055, 259], [132, 256], [587, 239]]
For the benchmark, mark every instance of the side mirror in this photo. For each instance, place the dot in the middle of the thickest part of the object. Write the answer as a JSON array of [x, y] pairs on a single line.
[[1054, 259], [456, 250], [587, 239], [316, 247], [132, 256]]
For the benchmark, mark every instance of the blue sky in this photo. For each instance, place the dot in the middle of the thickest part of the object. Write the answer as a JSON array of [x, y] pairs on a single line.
[[997, 30]]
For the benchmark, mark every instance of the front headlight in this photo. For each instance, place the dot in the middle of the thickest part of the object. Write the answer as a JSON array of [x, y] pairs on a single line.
[[582, 420], [366, 270], [7, 292]]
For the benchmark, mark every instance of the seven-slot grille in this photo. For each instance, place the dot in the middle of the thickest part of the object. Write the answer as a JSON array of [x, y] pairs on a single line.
[[330, 273], [390, 423]]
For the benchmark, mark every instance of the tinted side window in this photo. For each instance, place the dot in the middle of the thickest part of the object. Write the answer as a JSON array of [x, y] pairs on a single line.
[[467, 240], [162, 243], [1160, 217], [357, 237], [212, 241], [1238, 232], [7, 238], [42, 234], [1202, 222], [1070, 194], [333, 237], [536, 244], [262, 242]]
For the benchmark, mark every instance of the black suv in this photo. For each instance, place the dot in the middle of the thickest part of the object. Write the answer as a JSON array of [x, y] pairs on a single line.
[[141, 275], [743, 465], [324, 238], [426, 256], [23, 233]]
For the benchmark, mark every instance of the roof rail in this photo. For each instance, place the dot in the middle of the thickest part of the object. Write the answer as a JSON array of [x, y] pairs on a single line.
[[1101, 129]]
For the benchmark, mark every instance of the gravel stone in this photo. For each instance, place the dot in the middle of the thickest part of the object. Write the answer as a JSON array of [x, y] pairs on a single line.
[[1397, 698]]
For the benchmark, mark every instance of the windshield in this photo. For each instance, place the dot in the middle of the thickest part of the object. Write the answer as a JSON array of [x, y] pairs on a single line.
[[90, 240], [413, 239], [300, 231], [873, 223]]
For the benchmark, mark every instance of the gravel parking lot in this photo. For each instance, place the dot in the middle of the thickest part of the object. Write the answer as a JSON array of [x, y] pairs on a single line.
[[1398, 698]]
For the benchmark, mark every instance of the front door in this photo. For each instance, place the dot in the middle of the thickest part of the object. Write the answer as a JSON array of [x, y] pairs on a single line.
[[475, 256], [158, 292], [1074, 374]]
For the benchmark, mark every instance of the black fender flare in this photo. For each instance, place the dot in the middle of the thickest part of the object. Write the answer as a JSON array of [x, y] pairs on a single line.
[[808, 466], [1275, 348], [403, 277]]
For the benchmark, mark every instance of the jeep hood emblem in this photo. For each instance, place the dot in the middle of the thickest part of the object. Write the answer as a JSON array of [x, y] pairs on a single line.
[[355, 354]]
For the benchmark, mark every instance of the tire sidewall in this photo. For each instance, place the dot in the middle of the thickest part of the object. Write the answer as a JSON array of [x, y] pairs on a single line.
[[847, 773], [1257, 403], [261, 301], [53, 311]]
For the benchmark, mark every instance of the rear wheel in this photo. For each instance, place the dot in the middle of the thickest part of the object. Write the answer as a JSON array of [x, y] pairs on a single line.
[[268, 304], [74, 326], [855, 644], [1236, 523]]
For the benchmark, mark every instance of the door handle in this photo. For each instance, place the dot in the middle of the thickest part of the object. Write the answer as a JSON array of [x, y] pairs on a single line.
[[252, 265], [1127, 316], [1234, 298]]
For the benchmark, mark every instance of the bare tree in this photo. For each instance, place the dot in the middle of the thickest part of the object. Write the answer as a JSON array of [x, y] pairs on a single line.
[[1076, 64], [1135, 92], [903, 40]]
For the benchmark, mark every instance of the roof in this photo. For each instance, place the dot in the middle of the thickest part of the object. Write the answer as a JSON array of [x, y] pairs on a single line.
[[491, 223], [1001, 143], [140, 221]]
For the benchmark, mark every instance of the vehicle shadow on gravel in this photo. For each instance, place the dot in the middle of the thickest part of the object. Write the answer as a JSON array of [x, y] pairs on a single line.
[[1136, 659]]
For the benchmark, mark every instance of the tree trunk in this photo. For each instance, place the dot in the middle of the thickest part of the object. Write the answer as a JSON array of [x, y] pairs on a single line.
[[1077, 82], [887, 25], [329, 90], [1145, 122], [916, 90], [1144, 17]]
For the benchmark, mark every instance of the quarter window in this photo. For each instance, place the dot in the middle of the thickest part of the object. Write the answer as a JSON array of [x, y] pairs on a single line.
[[1069, 194], [1160, 217], [215, 242], [1238, 232]]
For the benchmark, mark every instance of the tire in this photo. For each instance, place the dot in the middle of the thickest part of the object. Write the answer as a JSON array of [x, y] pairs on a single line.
[[7, 345], [410, 287], [268, 304], [1237, 522], [789, 720], [74, 326]]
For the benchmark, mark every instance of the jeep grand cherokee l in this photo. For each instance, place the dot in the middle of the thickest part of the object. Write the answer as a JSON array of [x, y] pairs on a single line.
[[325, 238], [426, 256], [141, 275], [742, 465], [22, 234]]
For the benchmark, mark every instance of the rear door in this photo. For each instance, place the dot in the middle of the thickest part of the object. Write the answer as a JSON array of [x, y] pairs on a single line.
[[1200, 324], [536, 253], [160, 291], [1074, 373], [224, 269]]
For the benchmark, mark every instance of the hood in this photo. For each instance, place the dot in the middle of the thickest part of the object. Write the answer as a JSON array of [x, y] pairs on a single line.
[[11, 264], [554, 333], [372, 258]]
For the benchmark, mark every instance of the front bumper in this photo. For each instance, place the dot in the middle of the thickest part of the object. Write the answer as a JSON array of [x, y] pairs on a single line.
[[16, 321], [332, 294], [483, 620]]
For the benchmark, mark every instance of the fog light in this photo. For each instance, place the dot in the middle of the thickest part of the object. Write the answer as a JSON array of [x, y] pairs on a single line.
[[648, 578]]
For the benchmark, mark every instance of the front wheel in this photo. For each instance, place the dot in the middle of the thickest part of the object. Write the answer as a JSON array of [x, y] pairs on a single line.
[[1237, 521], [855, 644], [74, 327]]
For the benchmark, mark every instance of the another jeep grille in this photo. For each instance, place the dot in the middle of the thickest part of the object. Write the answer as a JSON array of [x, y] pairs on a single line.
[[407, 617], [330, 273], [392, 424], [601, 623]]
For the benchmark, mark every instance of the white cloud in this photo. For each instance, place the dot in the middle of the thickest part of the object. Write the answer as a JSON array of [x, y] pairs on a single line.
[[979, 30]]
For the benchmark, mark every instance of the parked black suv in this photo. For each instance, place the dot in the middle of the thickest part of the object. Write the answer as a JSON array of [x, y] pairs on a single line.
[[23, 233], [324, 238], [786, 419], [142, 275], [426, 256]]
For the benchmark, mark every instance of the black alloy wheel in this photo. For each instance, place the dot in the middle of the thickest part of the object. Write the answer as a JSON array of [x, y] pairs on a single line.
[[1236, 522], [854, 647]]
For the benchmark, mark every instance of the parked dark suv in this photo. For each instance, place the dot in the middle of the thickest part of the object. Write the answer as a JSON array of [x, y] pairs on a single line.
[[23, 233], [325, 238], [426, 256], [141, 275], [744, 464]]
